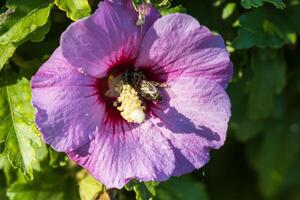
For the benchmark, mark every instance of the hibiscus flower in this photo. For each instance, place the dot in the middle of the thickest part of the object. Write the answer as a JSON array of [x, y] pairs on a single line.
[[91, 105]]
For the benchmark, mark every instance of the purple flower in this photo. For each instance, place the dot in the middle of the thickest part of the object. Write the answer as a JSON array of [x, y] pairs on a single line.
[[78, 94]]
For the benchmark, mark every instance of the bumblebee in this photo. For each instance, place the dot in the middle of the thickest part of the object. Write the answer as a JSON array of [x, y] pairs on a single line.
[[145, 88]]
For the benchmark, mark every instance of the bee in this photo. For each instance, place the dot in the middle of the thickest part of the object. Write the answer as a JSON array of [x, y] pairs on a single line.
[[145, 88]]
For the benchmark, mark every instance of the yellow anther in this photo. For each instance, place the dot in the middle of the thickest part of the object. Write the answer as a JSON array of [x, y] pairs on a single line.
[[131, 106]]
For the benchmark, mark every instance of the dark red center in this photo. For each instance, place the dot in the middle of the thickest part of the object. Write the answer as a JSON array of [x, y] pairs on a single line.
[[113, 115]]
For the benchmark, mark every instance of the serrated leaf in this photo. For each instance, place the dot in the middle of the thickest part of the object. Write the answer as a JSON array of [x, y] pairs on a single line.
[[269, 79], [256, 3], [75, 9], [89, 187], [27, 24], [24, 20], [180, 188], [265, 27], [17, 129]]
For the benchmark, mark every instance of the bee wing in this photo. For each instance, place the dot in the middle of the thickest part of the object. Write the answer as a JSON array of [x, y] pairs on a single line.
[[148, 87]]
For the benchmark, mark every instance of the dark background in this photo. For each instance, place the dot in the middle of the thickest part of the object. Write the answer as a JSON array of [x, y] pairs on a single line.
[[261, 157]]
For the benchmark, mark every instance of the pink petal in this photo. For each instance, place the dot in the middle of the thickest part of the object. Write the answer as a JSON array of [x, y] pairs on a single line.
[[124, 152], [177, 44], [68, 108], [100, 41], [193, 115]]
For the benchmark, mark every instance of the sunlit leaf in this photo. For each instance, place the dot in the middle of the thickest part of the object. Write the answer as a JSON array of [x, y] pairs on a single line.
[[24, 20], [161, 3], [176, 9], [17, 130], [228, 10], [27, 24], [89, 187], [6, 51], [75, 9]]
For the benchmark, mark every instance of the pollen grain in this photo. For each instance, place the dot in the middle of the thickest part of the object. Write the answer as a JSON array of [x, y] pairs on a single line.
[[131, 107]]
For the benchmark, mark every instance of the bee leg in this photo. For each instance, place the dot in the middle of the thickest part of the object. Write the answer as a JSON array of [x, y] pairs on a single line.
[[161, 85], [164, 85]]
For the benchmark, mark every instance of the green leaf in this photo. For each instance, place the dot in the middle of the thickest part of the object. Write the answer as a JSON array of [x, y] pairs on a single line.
[[17, 129], [143, 190], [244, 127], [89, 187], [39, 34], [180, 188], [6, 51], [75, 9], [25, 6], [161, 3], [29, 191], [256, 3], [276, 157], [265, 27], [24, 20], [176, 9], [50, 185], [8, 171], [36, 18], [228, 10], [3, 194], [268, 80], [57, 159]]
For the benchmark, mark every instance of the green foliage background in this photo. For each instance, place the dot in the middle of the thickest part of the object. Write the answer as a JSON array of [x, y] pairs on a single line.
[[261, 157]]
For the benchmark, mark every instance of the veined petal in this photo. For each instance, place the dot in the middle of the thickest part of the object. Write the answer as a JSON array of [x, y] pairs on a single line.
[[119, 154], [177, 44], [68, 108], [193, 115], [96, 43]]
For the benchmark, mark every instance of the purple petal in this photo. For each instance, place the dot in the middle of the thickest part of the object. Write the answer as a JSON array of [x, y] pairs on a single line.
[[67, 104], [177, 44], [121, 153], [100, 41], [121, 2], [193, 115]]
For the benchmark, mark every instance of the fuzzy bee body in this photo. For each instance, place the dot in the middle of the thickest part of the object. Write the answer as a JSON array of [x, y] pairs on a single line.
[[146, 89]]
